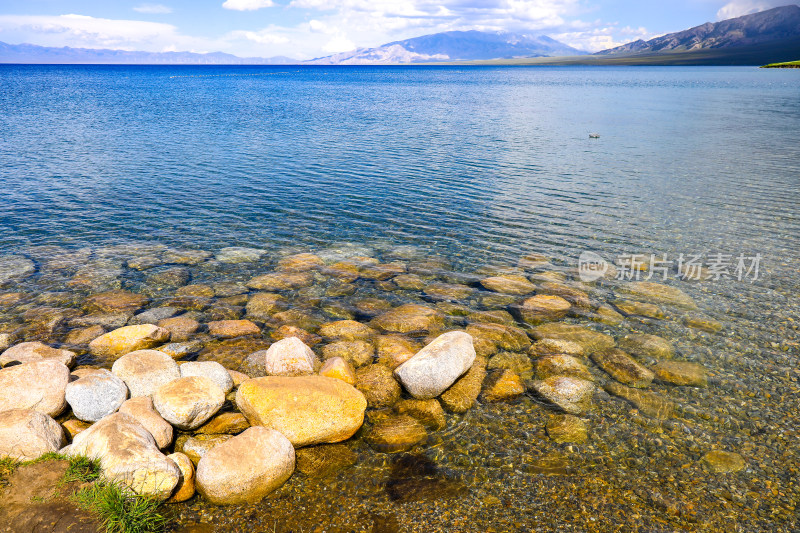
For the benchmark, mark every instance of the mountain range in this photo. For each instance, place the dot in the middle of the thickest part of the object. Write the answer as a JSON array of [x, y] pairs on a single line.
[[765, 37]]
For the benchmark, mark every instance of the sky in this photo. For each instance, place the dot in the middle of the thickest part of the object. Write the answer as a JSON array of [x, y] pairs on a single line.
[[304, 29]]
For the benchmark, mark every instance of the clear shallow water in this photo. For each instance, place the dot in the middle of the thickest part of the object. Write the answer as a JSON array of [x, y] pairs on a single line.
[[472, 166]]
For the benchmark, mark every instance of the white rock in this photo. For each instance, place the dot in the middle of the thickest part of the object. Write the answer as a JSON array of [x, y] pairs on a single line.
[[39, 385], [28, 352], [141, 408], [187, 403], [26, 434], [144, 371], [239, 254], [290, 357], [438, 365], [128, 455], [96, 395], [245, 468], [211, 370]]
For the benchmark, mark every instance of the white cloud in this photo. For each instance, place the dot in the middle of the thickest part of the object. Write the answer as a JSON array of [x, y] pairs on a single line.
[[247, 5], [737, 8], [593, 37], [265, 36], [153, 9], [340, 43]]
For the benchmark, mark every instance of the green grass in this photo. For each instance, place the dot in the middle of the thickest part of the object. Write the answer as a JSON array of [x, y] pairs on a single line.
[[787, 64], [121, 511]]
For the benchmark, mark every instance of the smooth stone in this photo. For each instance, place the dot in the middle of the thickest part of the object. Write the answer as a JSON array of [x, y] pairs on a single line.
[[115, 302], [642, 309], [197, 446], [246, 468], [491, 317], [170, 278], [378, 386], [152, 316], [605, 314], [105, 320], [180, 350], [185, 488], [556, 347], [623, 368], [84, 335], [398, 433], [26, 434], [186, 257], [409, 282], [145, 371], [357, 353], [237, 377], [503, 336], [383, 271], [572, 295], [128, 455], [503, 386], [543, 308], [461, 396], [28, 352], [73, 426], [409, 318], [196, 290], [224, 423], [338, 368], [658, 293], [6, 340], [438, 365], [448, 291], [709, 325], [141, 408], [573, 395], [567, 428], [290, 357], [648, 403], [15, 267], [181, 328], [346, 330], [239, 254], [228, 329], [96, 395], [518, 363], [509, 284], [281, 281], [590, 339], [645, 345], [428, 412], [560, 365], [39, 385], [187, 403], [722, 462], [287, 331], [300, 263], [681, 373], [262, 305], [128, 339], [211, 370], [323, 460], [394, 350], [307, 409]]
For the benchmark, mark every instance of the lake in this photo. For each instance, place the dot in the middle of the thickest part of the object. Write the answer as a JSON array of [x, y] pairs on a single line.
[[155, 179]]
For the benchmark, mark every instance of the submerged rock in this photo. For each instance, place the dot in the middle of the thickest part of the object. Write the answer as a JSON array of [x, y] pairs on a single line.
[[589, 339], [633, 308], [239, 254], [722, 462], [181, 328], [15, 267], [567, 428], [128, 455], [262, 305], [356, 353], [307, 409], [503, 336], [503, 386], [560, 365], [115, 302], [281, 281], [438, 365], [224, 423], [658, 293], [409, 318], [573, 395], [644, 345], [623, 368], [338, 368], [461, 396], [428, 412], [648, 403], [228, 329], [246, 468], [394, 350], [26, 434], [396, 433], [323, 460], [378, 386], [519, 363], [346, 330], [543, 308], [509, 284], [681, 373]]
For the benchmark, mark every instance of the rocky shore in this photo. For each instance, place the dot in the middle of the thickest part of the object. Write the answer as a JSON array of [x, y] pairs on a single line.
[[225, 388]]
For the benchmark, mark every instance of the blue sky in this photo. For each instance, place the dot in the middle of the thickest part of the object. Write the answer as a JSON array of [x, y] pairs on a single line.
[[311, 28]]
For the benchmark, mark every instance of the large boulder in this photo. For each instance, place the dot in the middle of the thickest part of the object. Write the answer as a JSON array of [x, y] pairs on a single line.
[[96, 395], [128, 455], [307, 409], [290, 357], [145, 371], [438, 365], [141, 408], [39, 385], [28, 352], [245, 468], [211, 370], [128, 339], [187, 403], [26, 434]]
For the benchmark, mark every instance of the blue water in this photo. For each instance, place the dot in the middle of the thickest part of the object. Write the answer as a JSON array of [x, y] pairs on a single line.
[[487, 161]]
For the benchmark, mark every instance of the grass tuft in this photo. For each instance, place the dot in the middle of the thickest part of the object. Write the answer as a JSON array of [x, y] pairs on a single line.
[[120, 510], [82, 469]]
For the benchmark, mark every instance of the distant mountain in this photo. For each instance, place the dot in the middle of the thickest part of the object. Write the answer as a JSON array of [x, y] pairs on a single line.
[[772, 25], [33, 54], [454, 46]]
